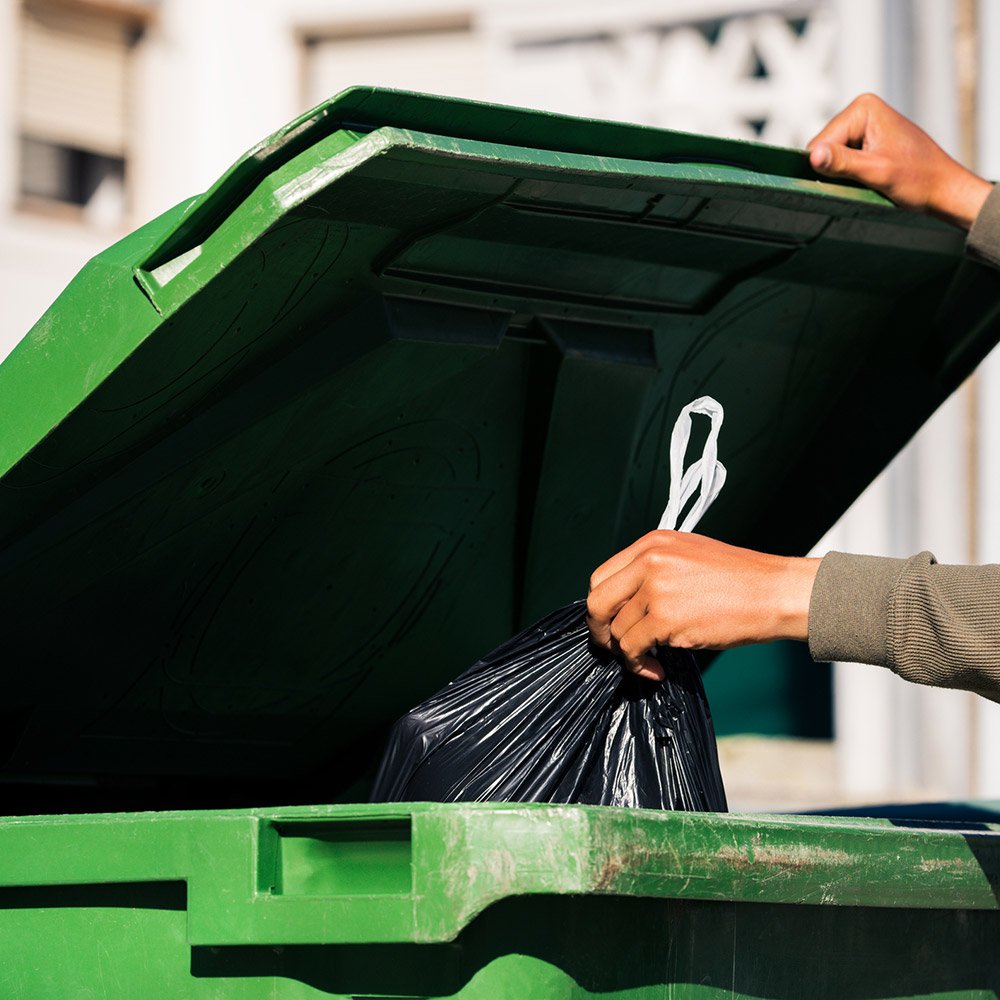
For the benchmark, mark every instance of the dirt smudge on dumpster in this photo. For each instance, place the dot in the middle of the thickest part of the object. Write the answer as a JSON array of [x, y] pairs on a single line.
[[943, 864], [794, 857], [610, 871]]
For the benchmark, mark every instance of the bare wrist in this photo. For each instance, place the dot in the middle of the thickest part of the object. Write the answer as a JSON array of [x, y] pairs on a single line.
[[794, 588], [961, 197]]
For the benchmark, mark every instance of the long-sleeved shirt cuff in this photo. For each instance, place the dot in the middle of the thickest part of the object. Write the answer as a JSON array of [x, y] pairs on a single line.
[[983, 241], [849, 608]]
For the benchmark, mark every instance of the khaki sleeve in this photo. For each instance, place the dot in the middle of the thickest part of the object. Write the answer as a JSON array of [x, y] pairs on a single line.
[[983, 241], [931, 624]]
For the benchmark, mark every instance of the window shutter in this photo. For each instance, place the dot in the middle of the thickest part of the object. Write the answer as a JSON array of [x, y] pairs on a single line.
[[74, 77]]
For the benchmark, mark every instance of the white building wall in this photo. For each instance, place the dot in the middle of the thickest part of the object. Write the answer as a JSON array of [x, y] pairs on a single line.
[[8, 87], [896, 740], [986, 720]]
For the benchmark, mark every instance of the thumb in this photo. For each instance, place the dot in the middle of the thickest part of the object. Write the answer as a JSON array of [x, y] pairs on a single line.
[[835, 160]]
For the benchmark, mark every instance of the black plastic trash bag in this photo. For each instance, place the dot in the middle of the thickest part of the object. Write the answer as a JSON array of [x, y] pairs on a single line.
[[550, 717]]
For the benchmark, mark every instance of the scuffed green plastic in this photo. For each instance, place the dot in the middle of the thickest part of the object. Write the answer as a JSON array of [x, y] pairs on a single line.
[[493, 901]]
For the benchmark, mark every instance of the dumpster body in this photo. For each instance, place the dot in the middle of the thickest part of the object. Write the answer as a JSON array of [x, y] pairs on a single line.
[[288, 458], [495, 902]]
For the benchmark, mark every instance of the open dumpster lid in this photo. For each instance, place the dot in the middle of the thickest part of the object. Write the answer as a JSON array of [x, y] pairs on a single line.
[[286, 459]]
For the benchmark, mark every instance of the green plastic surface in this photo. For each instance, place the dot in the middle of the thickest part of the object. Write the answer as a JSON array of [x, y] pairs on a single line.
[[772, 690], [285, 460], [498, 902]]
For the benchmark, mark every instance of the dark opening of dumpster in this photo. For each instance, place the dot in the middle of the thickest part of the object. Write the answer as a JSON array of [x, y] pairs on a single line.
[[551, 717]]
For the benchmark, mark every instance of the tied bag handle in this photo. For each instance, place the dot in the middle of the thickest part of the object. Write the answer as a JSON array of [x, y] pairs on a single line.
[[706, 474]]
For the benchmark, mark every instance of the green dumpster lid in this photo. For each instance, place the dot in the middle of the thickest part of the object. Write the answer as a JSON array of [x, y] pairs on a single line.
[[287, 458]]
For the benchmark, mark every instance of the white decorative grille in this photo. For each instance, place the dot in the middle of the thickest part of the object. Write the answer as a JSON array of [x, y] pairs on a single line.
[[765, 76]]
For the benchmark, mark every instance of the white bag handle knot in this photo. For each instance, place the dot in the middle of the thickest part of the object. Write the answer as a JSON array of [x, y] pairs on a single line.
[[707, 472]]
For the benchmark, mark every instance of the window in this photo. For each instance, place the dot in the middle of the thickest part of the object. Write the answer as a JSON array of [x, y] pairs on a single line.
[[73, 107]]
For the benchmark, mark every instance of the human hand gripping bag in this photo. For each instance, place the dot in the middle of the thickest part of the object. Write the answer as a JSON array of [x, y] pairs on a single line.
[[551, 717]]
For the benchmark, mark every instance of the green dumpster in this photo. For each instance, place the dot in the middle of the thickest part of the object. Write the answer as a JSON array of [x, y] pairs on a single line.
[[286, 459], [494, 901]]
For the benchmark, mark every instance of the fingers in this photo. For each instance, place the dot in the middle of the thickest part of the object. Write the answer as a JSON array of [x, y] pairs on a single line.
[[637, 645], [841, 147], [854, 164], [871, 143], [687, 591], [622, 559], [624, 627], [630, 615], [616, 606], [615, 609], [615, 582], [649, 667], [848, 127], [608, 598]]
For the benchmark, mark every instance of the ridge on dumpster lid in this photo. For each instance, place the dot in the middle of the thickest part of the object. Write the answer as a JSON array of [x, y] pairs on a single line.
[[288, 458]]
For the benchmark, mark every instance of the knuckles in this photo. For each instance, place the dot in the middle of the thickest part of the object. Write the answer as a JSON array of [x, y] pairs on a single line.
[[655, 559], [627, 645], [657, 537], [868, 100], [593, 607]]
